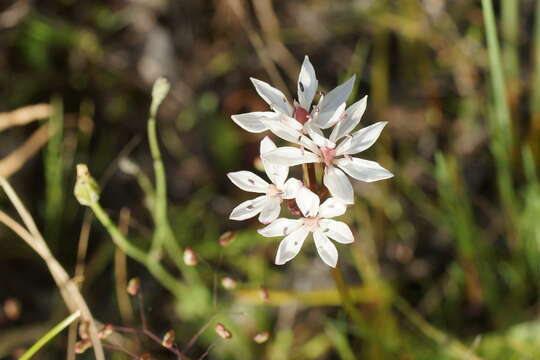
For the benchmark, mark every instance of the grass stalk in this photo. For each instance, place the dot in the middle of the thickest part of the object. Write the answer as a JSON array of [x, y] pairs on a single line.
[[49, 335]]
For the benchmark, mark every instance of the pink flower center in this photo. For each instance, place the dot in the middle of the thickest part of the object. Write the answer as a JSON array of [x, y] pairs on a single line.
[[273, 191], [301, 115], [312, 223], [328, 155]]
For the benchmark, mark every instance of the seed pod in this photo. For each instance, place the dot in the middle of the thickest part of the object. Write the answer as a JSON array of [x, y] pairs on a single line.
[[226, 238], [190, 257], [168, 339], [82, 345], [222, 331], [105, 331], [263, 293], [261, 337], [12, 309], [84, 332], [228, 283], [134, 286]]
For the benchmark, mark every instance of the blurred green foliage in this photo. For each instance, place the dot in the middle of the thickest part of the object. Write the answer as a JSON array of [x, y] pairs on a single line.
[[455, 234]]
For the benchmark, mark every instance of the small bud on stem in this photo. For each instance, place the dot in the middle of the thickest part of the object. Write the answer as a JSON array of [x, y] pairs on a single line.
[[134, 286], [226, 238], [168, 339], [86, 188], [190, 257], [222, 331], [261, 337]]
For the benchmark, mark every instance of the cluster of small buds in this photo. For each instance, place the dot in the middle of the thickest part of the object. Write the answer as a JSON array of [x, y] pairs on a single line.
[[84, 334], [304, 125]]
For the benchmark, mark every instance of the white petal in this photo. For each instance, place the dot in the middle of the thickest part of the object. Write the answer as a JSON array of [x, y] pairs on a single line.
[[328, 122], [317, 135], [291, 245], [248, 181], [336, 230], [291, 187], [308, 202], [253, 121], [248, 209], [271, 210], [332, 100], [363, 170], [290, 156], [326, 249], [361, 140], [283, 130], [338, 184], [273, 97], [276, 173], [280, 227], [353, 115], [332, 207], [307, 84]]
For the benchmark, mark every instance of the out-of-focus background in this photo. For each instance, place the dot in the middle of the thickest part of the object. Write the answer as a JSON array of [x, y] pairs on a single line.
[[447, 253]]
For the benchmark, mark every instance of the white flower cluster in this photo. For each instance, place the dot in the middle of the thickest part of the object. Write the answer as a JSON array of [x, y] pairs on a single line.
[[302, 124]]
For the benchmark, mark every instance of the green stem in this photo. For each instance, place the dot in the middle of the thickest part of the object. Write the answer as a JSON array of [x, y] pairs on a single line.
[[150, 261], [49, 335], [346, 299]]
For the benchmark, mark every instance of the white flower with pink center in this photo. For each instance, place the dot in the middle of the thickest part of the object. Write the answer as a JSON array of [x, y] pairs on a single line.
[[317, 221], [335, 152], [267, 206], [288, 121]]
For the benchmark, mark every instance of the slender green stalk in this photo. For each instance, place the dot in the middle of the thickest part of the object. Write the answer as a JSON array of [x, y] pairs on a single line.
[[343, 290], [535, 96], [153, 265], [161, 88], [499, 113], [510, 32], [54, 172], [453, 346], [49, 335]]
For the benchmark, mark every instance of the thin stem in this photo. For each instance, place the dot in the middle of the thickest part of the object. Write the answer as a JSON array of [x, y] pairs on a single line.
[[153, 264], [344, 294], [51, 334]]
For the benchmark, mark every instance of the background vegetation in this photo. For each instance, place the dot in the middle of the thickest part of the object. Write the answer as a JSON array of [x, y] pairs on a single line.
[[446, 263]]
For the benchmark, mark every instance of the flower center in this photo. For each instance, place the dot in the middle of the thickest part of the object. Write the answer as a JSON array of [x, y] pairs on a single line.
[[328, 155], [301, 115], [273, 191], [312, 223]]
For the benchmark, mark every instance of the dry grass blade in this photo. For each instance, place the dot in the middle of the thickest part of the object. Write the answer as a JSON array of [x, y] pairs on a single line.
[[14, 161], [24, 115], [69, 290]]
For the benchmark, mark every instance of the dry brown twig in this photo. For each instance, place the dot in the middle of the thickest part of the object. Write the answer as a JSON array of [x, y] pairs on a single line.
[[68, 289], [24, 115]]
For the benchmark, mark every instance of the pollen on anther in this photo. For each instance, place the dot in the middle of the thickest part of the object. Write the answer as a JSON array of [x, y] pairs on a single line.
[[301, 85]]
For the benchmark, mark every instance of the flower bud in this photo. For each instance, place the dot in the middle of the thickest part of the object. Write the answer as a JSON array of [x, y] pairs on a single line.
[[134, 286], [228, 283], [190, 257], [263, 293], [168, 339], [82, 345], [222, 331], [145, 356], [86, 189], [261, 337], [12, 309], [226, 238], [105, 331], [159, 92], [84, 332]]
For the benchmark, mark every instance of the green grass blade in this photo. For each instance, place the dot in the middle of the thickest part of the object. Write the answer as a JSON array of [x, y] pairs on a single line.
[[49, 335]]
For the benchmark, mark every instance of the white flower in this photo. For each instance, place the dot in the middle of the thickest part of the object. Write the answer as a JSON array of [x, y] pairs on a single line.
[[335, 152], [287, 121], [316, 220], [268, 206]]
